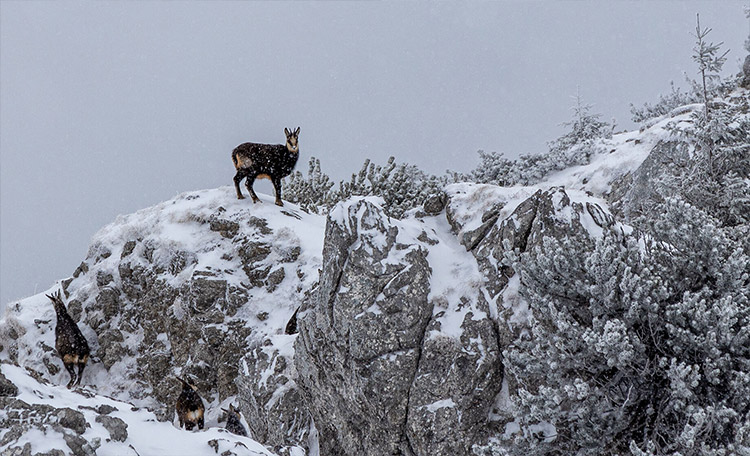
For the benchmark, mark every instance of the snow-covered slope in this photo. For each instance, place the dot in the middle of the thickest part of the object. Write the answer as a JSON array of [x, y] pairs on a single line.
[[85, 422], [185, 287], [204, 285]]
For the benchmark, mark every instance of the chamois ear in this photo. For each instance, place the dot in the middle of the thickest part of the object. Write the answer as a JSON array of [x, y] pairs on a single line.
[[296, 132], [286, 132]]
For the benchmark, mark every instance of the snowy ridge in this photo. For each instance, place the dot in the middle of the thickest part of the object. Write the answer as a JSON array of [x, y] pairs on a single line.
[[169, 230], [218, 269]]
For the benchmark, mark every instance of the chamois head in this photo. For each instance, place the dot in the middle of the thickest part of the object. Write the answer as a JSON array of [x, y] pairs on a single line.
[[56, 299], [232, 411], [291, 140]]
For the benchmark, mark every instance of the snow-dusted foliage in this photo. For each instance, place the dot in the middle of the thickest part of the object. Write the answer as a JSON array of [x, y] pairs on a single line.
[[715, 172], [706, 55], [574, 148], [638, 344], [666, 103], [402, 186], [311, 193]]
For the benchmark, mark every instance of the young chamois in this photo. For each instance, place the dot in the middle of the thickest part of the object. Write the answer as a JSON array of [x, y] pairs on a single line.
[[69, 342], [234, 423], [189, 407], [265, 161]]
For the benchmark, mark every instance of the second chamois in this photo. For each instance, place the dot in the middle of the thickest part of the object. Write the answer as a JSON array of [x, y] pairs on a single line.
[[189, 407], [265, 161], [69, 342]]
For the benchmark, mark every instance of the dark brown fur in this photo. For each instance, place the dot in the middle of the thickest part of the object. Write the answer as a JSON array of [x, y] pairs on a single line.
[[69, 342], [190, 408], [265, 161], [234, 421]]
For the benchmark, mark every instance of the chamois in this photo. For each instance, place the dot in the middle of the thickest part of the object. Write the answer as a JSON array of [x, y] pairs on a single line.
[[69, 342], [234, 424], [189, 407], [265, 161]]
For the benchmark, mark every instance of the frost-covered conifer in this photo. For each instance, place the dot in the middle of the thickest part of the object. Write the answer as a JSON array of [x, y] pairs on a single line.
[[312, 193], [638, 345], [402, 186], [576, 147], [716, 178], [706, 55], [666, 103]]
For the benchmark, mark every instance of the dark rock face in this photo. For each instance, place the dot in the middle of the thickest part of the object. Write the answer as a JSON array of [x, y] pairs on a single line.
[[7, 388], [72, 419], [434, 204]]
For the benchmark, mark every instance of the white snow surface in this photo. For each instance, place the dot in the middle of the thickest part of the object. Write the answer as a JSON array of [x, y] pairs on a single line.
[[146, 435]]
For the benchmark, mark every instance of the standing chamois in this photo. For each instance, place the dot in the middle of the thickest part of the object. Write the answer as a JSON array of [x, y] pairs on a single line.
[[189, 407], [234, 423], [265, 161], [69, 342]]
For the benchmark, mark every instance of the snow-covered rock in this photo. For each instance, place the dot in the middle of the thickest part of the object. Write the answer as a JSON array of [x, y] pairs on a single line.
[[402, 323], [48, 419]]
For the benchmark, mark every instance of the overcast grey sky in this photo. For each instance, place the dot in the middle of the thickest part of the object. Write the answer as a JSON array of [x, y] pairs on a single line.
[[109, 107]]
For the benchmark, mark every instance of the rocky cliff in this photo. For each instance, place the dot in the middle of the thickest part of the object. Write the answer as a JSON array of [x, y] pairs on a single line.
[[400, 324]]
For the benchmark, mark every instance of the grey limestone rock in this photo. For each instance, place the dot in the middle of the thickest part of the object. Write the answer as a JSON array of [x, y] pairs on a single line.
[[648, 185], [360, 335], [72, 419], [7, 388], [373, 367], [435, 203], [269, 397], [118, 429], [454, 388]]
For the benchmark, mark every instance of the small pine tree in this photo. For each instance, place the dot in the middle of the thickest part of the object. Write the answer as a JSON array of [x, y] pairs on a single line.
[[705, 54]]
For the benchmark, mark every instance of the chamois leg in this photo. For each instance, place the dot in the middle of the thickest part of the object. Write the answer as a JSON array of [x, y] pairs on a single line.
[[200, 423], [249, 184], [277, 188], [81, 366], [71, 370], [237, 179]]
